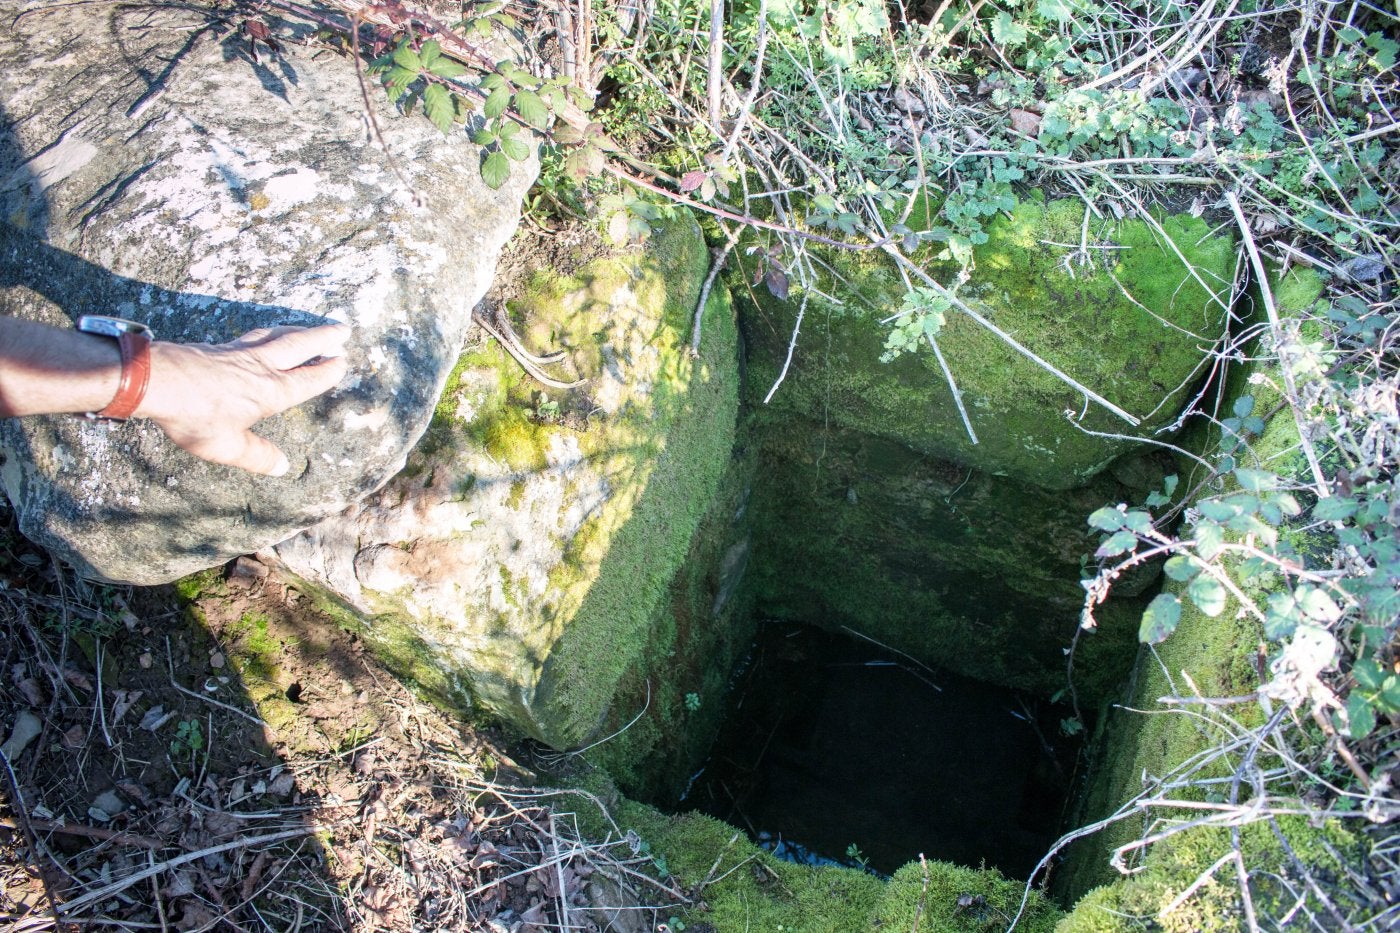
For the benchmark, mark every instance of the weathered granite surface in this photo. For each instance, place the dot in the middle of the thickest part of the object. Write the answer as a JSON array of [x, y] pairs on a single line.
[[150, 168]]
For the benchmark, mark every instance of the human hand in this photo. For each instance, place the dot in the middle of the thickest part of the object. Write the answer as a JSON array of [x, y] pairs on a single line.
[[206, 398]]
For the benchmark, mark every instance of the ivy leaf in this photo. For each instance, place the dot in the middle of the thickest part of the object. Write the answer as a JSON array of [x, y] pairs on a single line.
[[495, 170], [1160, 619], [532, 109], [437, 104], [1181, 568], [496, 102], [1007, 32], [1208, 595]]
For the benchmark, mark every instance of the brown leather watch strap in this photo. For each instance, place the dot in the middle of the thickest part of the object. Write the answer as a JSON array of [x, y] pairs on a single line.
[[136, 376]]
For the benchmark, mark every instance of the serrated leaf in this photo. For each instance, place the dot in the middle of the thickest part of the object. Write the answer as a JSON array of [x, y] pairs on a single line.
[[407, 59], [1170, 483], [447, 68], [496, 102], [1059, 11], [495, 170], [1334, 509], [1216, 511], [429, 52], [1282, 617], [515, 149], [1244, 406], [1117, 543], [532, 109], [507, 129], [1006, 31], [1361, 719], [400, 77], [692, 180], [483, 137], [1107, 518], [1160, 620], [493, 81], [437, 104], [1209, 537], [1317, 604], [1368, 674], [1208, 595], [1180, 568]]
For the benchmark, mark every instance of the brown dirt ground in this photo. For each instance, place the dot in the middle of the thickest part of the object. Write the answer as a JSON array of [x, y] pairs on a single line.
[[237, 761]]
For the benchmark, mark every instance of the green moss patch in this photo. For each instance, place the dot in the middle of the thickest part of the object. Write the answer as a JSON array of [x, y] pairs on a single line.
[[1113, 305]]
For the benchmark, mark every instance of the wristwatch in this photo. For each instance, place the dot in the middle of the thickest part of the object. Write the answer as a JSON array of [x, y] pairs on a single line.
[[134, 341]]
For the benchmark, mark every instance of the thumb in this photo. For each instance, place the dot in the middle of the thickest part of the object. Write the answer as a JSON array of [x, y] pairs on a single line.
[[245, 450]]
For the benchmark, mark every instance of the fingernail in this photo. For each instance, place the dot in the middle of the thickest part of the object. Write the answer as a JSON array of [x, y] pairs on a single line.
[[284, 466]]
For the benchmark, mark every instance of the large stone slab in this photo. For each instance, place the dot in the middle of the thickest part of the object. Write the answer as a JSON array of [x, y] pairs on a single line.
[[529, 549], [151, 169]]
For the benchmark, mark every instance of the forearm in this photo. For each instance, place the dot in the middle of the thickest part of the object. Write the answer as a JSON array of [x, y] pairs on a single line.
[[51, 370]]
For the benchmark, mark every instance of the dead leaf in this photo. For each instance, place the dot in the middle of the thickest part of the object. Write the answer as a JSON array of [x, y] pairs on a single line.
[[124, 701], [777, 281], [155, 717], [78, 679], [283, 784], [692, 180], [74, 738], [33, 693], [1025, 122], [146, 661], [216, 660]]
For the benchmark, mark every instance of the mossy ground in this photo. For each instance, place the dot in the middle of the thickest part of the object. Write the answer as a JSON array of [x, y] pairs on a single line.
[[1129, 321]]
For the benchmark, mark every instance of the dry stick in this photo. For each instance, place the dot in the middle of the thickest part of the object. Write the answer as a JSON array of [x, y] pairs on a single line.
[[754, 83], [716, 266], [170, 666], [1271, 310], [523, 360], [923, 895], [716, 61], [957, 393], [559, 875], [1007, 338], [90, 832], [792, 347]]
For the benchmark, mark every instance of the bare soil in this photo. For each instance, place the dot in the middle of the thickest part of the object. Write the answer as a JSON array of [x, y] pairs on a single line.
[[236, 761]]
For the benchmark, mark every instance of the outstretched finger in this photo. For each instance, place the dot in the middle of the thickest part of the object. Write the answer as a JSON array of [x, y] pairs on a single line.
[[291, 349], [304, 382], [244, 450]]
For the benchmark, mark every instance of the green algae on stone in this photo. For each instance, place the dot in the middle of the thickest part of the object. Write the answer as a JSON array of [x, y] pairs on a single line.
[[530, 540], [960, 569], [1125, 316]]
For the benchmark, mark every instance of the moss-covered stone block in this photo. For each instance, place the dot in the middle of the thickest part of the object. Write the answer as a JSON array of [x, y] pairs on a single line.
[[963, 570], [1129, 309], [530, 544]]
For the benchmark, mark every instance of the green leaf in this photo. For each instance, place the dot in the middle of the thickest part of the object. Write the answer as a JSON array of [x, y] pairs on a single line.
[[496, 102], [1160, 619], [447, 68], [1390, 694], [532, 109], [1368, 673], [1361, 719], [1244, 406], [1209, 537], [1216, 511], [1059, 11], [516, 149], [429, 53], [507, 129], [407, 59], [1334, 509], [483, 137], [1256, 480], [1316, 604], [1007, 32], [1117, 543], [493, 81], [437, 104], [400, 78], [1208, 595], [495, 170], [1282, 617], [1181, 568], [1107, 518]]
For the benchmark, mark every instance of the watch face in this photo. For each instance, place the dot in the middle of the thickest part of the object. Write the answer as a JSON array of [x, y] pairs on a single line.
[[112, 326]]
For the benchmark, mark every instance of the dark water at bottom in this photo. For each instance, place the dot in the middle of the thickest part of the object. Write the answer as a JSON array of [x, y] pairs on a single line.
[[832, 742]]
